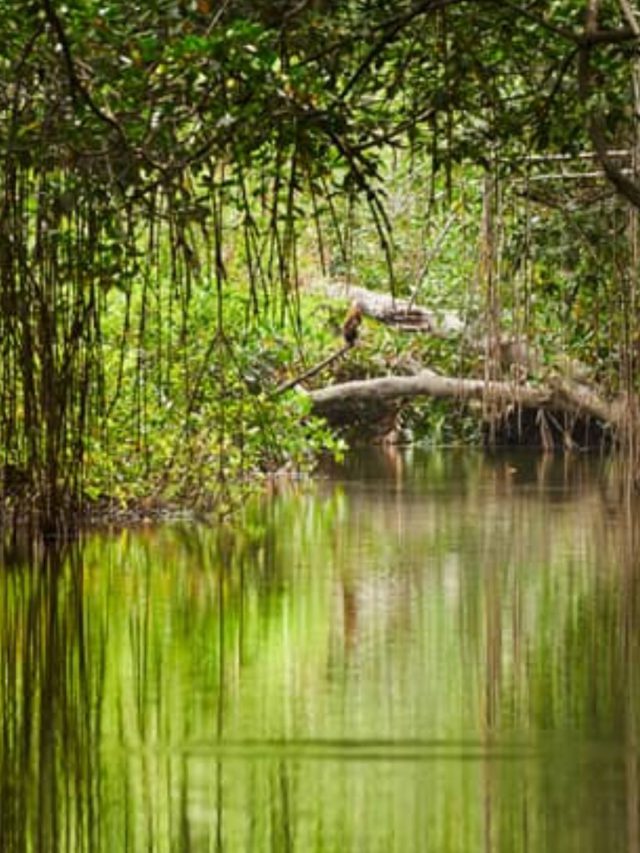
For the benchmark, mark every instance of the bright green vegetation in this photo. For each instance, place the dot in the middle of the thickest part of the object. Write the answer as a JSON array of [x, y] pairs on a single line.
[[435, 652], [173, 175]]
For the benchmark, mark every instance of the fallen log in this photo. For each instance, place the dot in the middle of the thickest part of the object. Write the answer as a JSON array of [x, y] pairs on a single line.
[[560, 396], [400, 313], [563, 388], [405, 316]]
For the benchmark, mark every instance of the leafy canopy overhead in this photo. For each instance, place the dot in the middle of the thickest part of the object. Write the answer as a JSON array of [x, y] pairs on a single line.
[[132, 94]]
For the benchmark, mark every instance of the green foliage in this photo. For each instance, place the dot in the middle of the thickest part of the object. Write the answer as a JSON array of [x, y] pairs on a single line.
[[460, 618], [201, 423], [161, 160]]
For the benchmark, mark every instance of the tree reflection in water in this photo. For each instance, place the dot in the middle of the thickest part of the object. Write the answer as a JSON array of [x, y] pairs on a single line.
[[434, 652]]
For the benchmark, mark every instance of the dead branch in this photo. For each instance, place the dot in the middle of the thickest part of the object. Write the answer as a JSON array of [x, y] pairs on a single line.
[[404, 316], [312, 371], [561, 396], [400, 313]]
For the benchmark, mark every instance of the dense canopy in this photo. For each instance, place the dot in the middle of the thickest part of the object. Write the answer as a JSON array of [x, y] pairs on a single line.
[[167, 165]]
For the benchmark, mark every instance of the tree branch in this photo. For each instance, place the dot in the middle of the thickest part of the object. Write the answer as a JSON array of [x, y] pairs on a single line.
[[75, 83], [312, 371], [392, 28], [596, 121], [559, 396]]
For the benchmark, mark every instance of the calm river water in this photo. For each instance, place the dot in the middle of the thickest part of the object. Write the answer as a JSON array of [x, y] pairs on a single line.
[[419, 652]]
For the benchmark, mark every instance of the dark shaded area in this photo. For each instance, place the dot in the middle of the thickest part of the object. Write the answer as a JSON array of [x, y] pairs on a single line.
[[547, 431]]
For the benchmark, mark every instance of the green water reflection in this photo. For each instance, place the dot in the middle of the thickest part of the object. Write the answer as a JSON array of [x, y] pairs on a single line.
[[418, 652]]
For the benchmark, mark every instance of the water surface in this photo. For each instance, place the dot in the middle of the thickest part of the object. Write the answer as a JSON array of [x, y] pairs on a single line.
[[419, 651]]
